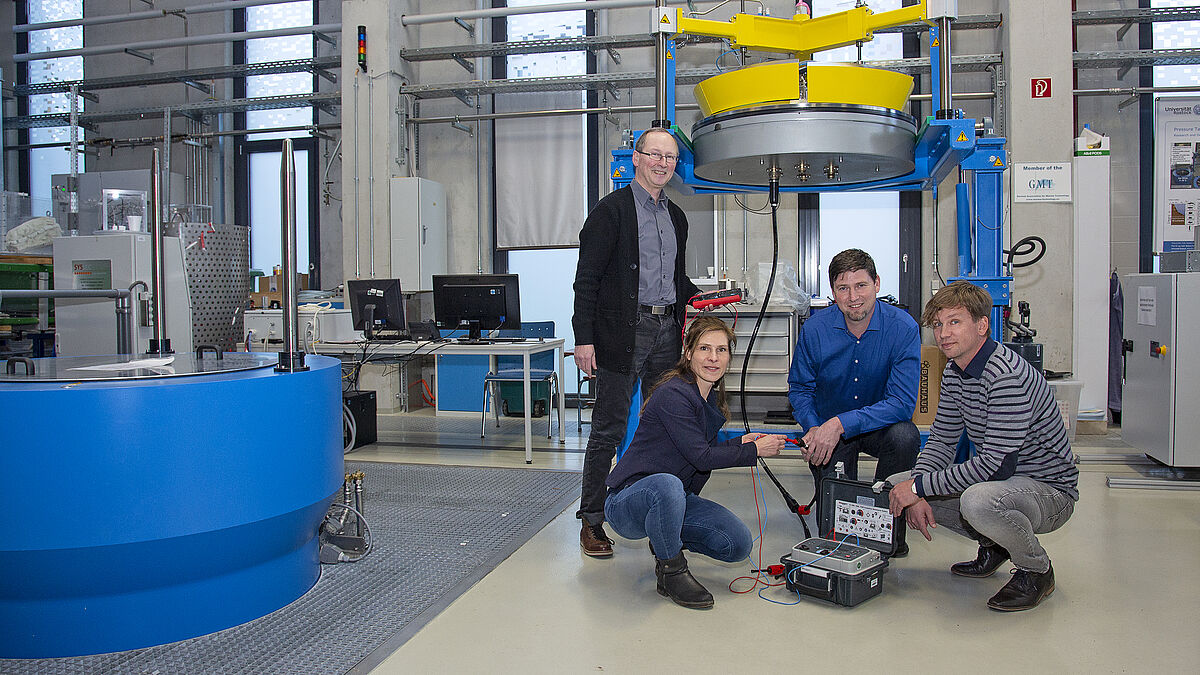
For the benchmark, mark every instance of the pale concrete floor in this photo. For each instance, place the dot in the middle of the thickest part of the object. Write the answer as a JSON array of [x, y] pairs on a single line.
[[1125, 565]]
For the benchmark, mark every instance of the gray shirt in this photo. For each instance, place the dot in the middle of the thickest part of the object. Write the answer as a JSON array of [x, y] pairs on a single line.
[[656, 248]]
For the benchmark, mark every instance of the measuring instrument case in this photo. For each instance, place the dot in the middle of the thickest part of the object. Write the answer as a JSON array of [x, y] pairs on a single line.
[[845, 565]]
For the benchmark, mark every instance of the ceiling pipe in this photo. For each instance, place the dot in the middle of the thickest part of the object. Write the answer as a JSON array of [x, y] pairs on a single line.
[[418, 19]]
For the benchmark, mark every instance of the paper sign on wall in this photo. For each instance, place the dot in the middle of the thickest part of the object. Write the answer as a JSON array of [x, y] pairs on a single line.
[[1041, 181], [1147, 306]]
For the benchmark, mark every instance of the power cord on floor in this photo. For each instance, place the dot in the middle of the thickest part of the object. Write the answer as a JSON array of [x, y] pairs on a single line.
[[350, 427]]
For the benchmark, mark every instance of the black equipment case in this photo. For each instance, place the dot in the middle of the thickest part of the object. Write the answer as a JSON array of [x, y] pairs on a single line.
[[845, 565]]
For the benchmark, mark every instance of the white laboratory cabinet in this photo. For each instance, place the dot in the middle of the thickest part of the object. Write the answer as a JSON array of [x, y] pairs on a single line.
[[86, 326], [1162, 367], [418, 232], [772, 357]]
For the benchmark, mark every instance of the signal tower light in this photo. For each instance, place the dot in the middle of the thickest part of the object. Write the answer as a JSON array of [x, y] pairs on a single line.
[[362, 48]]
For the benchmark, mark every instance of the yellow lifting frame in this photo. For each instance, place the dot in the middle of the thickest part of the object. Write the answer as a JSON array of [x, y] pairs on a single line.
[[800, 36]]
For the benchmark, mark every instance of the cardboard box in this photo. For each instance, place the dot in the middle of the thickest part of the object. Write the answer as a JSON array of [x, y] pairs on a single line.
[[270, 289], [265, 300], [933, 362], [274, 283]]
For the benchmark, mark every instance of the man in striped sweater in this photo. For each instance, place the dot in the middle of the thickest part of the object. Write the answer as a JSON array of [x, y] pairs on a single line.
[[1022, 480]]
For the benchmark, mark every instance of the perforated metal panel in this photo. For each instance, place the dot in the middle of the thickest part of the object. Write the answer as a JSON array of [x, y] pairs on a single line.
[[217, 257]]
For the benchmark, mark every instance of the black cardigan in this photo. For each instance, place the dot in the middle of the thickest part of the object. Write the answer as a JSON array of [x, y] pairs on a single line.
[[606, 280]]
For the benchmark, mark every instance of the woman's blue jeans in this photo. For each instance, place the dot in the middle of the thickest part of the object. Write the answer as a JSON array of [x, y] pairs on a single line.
[[657, 507]]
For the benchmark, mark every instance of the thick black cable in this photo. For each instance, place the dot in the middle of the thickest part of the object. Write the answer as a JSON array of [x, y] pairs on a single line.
[[790, 501]]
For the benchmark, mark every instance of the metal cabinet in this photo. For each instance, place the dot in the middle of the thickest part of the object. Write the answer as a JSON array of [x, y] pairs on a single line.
[[418, 232], [768, 369], [1162, 367]]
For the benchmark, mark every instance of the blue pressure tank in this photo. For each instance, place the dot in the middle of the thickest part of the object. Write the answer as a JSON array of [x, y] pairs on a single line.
[[155, 504]]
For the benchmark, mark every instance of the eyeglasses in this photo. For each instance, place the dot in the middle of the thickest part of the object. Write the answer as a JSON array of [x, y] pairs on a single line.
[[658, 156]]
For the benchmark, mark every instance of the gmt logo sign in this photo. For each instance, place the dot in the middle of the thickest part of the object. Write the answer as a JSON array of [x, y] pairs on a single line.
[[1042, 181]]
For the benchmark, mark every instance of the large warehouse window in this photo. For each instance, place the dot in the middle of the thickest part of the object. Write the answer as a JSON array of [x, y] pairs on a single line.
[[259, 154], [866, 220], [546, 273], [44, 162], [1176, 35], [287, 48]]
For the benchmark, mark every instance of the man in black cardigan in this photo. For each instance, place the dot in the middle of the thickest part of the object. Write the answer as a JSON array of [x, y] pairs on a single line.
[[630, 291]]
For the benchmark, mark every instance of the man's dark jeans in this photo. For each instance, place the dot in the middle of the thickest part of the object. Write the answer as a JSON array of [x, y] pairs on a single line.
[[895, 447], [656, 350]]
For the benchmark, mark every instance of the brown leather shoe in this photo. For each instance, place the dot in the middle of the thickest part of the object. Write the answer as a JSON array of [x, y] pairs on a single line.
[[594, 541]]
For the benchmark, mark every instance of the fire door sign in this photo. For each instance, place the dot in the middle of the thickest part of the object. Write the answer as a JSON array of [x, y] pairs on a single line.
[[1040, 87]]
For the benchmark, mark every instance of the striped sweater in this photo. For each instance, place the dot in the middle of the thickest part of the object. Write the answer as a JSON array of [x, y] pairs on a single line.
[[1010, 416]]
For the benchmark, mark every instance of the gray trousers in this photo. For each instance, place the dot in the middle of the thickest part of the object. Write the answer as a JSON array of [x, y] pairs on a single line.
[[1008, 513]]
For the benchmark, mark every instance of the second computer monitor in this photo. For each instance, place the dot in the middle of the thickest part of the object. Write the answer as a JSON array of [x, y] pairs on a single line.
[[477, 302], [377, 308]]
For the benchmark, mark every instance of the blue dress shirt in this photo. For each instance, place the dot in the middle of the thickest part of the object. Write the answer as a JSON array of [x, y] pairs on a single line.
[[868, 383]]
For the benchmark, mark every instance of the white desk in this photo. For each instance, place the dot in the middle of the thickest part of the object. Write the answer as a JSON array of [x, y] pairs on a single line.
[[524, 349]]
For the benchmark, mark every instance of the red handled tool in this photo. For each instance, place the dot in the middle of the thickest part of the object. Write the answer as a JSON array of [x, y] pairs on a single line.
[[714, 298]]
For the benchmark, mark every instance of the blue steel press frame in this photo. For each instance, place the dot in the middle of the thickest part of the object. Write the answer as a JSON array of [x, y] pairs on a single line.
[[943, 145]]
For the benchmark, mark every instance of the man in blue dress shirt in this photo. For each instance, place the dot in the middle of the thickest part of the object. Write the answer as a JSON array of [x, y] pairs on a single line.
[[853, 380]]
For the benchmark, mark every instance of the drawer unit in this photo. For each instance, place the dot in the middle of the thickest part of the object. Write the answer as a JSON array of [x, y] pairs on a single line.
[[773, 348]]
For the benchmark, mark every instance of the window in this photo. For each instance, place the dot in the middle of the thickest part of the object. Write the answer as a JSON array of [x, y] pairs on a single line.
[[259, 155], [287, 48], [44, 162], [545, 27], [1176, 35], [265, 236], [866, 220], [546, 274]]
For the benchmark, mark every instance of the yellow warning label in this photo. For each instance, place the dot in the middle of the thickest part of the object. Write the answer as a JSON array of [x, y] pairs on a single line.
[[936, 42], [998, 162], [962, 137], [670, 55], [617, 173], [664, 19]]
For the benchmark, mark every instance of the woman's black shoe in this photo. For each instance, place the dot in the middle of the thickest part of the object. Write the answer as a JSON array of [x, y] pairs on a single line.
[[677, 583], [984, 564]]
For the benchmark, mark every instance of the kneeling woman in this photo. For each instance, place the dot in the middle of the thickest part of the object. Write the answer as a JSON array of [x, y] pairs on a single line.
[[654, 490]]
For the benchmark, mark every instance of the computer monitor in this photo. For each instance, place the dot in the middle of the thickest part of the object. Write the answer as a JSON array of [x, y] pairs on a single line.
[[477, 302], [377, 308]]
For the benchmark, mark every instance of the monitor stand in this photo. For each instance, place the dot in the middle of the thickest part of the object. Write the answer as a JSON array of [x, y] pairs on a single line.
[[389, 336], [374, 335], [474, 335]]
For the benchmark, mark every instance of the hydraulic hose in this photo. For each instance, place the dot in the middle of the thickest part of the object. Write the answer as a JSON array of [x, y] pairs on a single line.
[[790, 501]]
